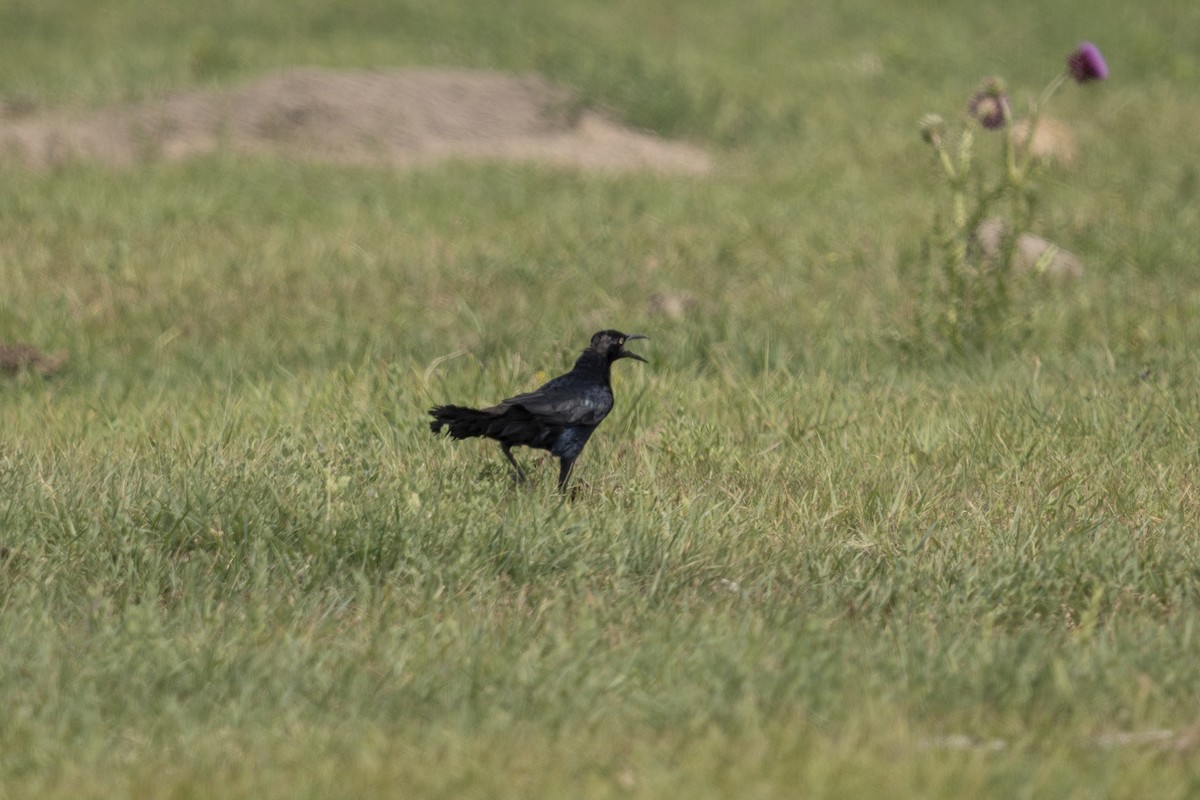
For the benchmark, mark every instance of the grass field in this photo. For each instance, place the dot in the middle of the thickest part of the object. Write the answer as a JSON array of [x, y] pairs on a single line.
[[802, 561]]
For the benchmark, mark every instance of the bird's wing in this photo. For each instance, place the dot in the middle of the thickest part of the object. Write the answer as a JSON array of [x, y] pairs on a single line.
[[565, 405]]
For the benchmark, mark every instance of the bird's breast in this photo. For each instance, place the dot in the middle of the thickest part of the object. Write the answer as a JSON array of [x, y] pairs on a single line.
[[597, 403]]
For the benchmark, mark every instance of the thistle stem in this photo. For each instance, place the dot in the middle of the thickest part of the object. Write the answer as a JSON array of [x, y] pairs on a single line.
[[1035, 115]]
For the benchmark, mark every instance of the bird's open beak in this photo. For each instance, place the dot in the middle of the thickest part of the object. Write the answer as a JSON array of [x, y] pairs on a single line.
[[628, 354]]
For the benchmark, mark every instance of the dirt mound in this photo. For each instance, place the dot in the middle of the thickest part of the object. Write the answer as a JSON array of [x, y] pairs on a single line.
[[397, 118]]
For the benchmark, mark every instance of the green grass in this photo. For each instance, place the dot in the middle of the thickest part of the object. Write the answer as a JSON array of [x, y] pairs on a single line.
[[798, 563]]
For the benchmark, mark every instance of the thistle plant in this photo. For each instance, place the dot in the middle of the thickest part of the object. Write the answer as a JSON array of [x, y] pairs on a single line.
[[971, 288]]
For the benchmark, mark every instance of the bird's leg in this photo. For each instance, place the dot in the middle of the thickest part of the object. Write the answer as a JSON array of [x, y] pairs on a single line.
[[565, 466], [520, 478]]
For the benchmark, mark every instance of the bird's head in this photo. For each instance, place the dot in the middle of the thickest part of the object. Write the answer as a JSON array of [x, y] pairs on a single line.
[[611, 345]]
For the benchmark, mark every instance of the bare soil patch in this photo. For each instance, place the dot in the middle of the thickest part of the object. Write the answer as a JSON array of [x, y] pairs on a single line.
[[399, 118], [19, 357]]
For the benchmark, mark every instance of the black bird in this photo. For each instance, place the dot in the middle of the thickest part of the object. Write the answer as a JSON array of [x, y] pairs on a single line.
[[559, 417]]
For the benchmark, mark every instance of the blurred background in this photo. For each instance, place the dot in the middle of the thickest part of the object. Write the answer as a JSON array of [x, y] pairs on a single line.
[[259, 184]]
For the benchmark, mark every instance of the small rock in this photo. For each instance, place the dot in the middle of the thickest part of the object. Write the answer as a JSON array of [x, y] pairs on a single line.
[[1032, 253], [675, 305], [1052, 141]]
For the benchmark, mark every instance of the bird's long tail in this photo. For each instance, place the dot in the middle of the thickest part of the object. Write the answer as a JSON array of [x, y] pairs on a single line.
[[462, 422]]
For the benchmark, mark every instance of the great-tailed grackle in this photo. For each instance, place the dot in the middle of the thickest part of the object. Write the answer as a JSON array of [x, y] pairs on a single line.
[[559, 416]]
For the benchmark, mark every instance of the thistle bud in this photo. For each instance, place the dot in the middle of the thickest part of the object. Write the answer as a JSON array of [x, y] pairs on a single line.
[[989, 105], [932, 127]]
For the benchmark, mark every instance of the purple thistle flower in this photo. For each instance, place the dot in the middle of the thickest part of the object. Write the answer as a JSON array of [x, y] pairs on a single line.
[[1086, 64], [989, 105]]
